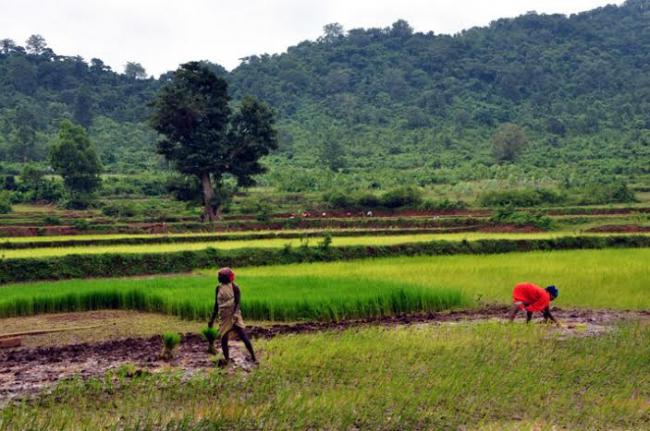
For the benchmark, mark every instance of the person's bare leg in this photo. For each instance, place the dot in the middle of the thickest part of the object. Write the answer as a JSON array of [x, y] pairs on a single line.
[[224, 347], [242, 336]]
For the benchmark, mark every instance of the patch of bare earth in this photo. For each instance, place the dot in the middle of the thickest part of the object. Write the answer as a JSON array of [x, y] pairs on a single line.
[[91, 352]]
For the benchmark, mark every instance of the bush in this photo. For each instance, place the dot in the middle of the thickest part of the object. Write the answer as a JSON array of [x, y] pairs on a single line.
[[79, 202], [52, 220], [5, 202], [444, 204], [369, 200], [263, 212], [402, 197], [607, 193], [521, 198], [120, 210], [338, 199], [510, 216], [81, 224]]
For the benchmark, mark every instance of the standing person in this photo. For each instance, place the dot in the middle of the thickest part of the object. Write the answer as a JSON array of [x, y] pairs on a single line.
[[531, 298], [226, 304]]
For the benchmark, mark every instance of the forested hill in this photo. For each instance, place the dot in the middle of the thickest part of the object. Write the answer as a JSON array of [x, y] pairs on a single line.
[[386, 98]]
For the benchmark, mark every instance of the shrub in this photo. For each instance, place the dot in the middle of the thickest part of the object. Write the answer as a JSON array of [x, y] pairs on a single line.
[[120, 210], [52, 220], [614, 192], [339, 199], [444, 204], [5, 202], [170, 341], [402, 197], [81, 224], [510, 216], [263, 212], [369, 200]]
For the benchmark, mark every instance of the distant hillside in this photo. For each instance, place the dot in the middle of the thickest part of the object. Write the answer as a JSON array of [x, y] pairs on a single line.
[[375, 102]]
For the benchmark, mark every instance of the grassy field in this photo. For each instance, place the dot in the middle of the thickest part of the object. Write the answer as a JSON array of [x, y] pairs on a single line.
[[271, 243], [485, 376], [587, 278]]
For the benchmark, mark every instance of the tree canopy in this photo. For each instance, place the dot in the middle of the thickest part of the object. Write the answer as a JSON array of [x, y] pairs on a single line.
[[202, 136]]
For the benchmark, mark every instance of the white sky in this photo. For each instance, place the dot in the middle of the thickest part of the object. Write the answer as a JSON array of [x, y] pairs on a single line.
[[161, 34]]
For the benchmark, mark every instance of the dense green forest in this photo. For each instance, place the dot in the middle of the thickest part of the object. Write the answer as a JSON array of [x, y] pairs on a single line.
[[374, 108]]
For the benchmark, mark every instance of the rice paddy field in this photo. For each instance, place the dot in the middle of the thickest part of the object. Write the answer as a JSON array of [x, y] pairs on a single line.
[[469, 374], [587, 278], [273, 243]]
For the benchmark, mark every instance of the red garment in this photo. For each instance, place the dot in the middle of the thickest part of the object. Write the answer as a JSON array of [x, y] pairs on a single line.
[[534, 297]]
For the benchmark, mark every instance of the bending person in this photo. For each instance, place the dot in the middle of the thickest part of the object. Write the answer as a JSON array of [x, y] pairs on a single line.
[[530, 298], [226, 304]]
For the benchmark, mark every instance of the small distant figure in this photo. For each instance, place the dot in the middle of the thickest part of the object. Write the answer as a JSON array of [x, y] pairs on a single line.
[[306, 214], [531, 298], [324, 214], [226, 305], [369, 213]]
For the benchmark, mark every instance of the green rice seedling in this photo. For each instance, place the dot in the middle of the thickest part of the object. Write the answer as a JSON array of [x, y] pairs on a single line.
[[612, 278], [171, 340], [276, 243], [210, 335]]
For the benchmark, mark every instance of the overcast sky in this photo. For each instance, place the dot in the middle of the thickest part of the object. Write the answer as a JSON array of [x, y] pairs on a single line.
[[161, 34]]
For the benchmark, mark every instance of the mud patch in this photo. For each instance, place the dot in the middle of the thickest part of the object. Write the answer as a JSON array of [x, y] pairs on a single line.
[[28, 371], [25, 372]]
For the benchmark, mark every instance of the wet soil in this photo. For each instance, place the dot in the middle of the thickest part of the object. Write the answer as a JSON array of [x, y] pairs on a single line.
[[28, 371]]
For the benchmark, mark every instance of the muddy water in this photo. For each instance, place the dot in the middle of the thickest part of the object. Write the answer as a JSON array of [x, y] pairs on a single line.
[[27, 371]]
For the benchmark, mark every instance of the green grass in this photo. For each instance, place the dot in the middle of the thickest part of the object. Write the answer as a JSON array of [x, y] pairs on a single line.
[[469, 376], [608, 278], [269, 243]]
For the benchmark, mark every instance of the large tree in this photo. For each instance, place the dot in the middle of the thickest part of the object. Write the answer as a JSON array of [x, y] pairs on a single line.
[[75, 159], [204, 138], [508, 141]]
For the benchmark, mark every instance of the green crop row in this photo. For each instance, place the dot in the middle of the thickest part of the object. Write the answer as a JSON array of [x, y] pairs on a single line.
[[113, 265], [234, 236]]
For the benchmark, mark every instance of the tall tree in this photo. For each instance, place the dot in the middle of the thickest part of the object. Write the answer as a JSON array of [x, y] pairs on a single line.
[[7, 45], [75, 159], [36, 44], [508, 141], [331, 154], [135, 70], [204, 139]]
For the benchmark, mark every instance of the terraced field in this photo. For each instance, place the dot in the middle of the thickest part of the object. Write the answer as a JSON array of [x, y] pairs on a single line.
[[366, 240]]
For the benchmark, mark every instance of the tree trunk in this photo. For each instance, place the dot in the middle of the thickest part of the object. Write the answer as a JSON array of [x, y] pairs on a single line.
[[208, 212]]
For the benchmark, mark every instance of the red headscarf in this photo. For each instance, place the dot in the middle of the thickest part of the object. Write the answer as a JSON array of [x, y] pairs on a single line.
[[228, 273]]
